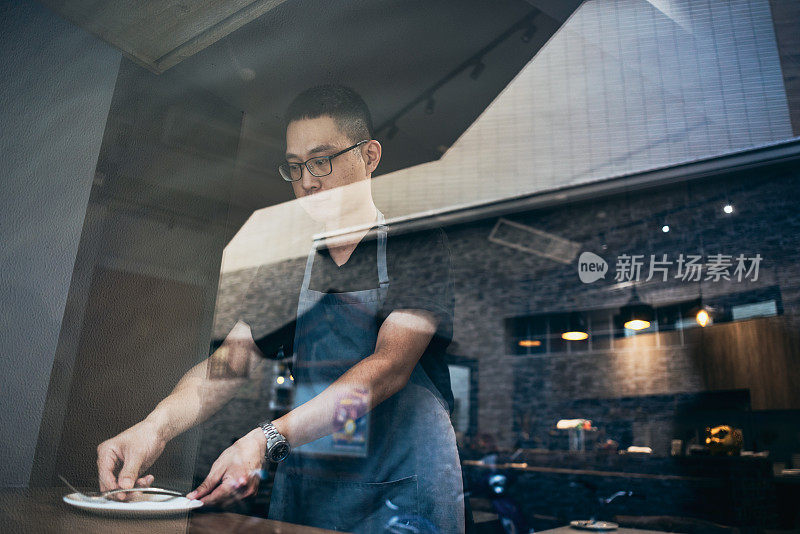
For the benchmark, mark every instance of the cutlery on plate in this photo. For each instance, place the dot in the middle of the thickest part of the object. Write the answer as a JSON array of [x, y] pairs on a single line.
[[105, 494]]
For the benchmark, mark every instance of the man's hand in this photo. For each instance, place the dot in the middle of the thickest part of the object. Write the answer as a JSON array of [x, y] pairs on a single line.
[[133, 452], [236, 473]]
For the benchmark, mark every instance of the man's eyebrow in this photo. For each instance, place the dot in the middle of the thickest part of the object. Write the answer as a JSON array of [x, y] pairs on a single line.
[[315, 150]]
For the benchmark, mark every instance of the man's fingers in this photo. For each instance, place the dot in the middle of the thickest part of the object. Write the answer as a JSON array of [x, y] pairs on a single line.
[[205, 487], [226, 492], [106, 462], [145, 482], [129, 474]]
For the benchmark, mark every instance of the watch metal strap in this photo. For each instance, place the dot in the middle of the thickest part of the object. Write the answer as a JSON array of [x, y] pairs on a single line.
[[273, 438]]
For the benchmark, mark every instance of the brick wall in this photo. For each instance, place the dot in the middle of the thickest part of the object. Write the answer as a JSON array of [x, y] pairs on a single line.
[[495, 282]]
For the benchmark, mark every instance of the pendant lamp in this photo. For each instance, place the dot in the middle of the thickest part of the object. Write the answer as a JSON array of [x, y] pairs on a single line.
[[636, 315], [576, 328]]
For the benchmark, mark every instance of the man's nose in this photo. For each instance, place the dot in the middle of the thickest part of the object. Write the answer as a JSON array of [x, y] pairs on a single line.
[[307, 180]]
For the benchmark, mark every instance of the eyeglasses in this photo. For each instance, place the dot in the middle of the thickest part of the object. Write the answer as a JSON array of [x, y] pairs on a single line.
[[318, 166]]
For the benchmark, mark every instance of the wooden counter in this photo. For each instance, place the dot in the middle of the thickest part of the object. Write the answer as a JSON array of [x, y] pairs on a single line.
[[569, 530], [41, 510]]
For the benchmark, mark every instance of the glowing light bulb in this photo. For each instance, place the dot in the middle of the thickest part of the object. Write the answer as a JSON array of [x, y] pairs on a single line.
[[702, 318], [637, 324], [728, 208], [280, 380], [574, 336], [530, 343], [665, 228]]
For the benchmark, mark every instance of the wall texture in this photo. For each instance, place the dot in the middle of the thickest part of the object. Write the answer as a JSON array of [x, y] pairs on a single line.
[[141, 299], [56, 83]]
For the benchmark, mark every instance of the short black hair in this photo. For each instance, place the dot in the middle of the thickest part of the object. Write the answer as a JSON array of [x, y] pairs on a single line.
[[345, 106]]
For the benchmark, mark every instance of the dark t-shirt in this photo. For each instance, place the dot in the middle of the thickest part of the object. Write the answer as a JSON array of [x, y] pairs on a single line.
[[420, 277]]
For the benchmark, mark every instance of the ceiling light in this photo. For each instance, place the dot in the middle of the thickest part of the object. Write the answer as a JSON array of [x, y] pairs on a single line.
[[576, 328], [728, 208], [703, 313], [665, 228], [574, 336], [530, 343], [702, 317], [637, 324], [636, 315]]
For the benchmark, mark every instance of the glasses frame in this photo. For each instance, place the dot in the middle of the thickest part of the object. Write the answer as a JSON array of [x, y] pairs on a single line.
[[305, 164]]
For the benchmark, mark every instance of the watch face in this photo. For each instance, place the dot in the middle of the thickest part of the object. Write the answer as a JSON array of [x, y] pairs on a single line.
[[279, 452]]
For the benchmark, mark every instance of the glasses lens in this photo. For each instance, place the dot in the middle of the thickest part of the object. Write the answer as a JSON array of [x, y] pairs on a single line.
[[319, 166], [290, 172]]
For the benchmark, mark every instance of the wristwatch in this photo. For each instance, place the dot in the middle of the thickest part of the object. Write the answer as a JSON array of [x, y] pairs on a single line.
[[277, 446]]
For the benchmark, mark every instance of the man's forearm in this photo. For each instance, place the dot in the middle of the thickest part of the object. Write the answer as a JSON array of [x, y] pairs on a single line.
[[196, 397], [182, 408], [402, 339], [377, 375]]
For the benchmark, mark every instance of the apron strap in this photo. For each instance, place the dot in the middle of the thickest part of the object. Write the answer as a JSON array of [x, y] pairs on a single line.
[[383, 271], [309, 265]]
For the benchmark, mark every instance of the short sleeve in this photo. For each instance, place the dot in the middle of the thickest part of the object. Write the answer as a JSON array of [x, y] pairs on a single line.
[[275, 343]]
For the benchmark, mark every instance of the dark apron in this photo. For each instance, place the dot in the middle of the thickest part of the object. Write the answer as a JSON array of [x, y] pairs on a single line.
[[399, 464]]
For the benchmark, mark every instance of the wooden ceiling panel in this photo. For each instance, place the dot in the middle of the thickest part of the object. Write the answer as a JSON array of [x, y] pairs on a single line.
[[158, 34]]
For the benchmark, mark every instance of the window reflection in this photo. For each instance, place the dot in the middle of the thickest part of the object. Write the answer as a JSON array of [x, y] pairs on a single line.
[[616, 181]]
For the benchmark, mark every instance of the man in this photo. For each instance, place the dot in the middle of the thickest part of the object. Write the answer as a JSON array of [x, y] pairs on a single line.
[[369, 442]]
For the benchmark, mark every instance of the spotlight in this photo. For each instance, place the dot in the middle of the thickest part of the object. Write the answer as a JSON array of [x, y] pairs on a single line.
[[728, 208], [430, 105], [477, 70], [665, 228]]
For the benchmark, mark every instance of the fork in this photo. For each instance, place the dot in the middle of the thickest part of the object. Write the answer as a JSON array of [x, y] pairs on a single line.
[[103, 494]]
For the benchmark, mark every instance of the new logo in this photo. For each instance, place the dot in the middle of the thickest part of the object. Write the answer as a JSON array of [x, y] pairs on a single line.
[[591, 267]]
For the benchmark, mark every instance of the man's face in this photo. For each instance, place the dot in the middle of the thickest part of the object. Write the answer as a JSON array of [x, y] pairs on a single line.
[[326, 198]]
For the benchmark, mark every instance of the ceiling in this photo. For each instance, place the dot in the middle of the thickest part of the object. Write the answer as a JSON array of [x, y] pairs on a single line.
[[256, 56], [158, 34]]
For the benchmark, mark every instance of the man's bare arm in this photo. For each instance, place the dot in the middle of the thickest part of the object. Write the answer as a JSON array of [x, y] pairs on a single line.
[[197, 396], [401, 341], [201, 393]]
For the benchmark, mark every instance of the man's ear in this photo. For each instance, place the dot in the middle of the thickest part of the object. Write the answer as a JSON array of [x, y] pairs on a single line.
[[372, 155]]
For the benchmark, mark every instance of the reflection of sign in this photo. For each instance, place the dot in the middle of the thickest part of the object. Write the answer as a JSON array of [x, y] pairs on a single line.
[[591, 267], [352, 420], [689, 267], [532, 240], [686, 267]]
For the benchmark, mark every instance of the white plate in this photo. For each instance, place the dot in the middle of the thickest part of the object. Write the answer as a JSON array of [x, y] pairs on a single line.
[[593, 525], [146, 505]]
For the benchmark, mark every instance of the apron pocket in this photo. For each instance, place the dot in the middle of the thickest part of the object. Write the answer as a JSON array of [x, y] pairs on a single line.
[[361, 507]]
